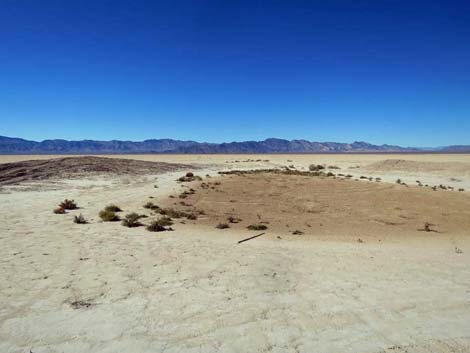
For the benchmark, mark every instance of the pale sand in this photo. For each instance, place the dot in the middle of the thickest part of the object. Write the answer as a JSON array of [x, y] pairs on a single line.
[[197, 290]]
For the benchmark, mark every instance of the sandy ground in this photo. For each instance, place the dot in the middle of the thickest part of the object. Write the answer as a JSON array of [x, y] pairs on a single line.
[[101, 287]]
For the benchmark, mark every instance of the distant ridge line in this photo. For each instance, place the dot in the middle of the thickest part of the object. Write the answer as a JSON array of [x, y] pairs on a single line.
[[11, 145]]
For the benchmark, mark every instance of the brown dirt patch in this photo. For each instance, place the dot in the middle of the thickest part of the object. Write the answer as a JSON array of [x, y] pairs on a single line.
[[76, 167], [318, 205]]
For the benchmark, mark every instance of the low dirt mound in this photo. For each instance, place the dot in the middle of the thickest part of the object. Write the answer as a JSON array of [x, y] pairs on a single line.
[[76, 167], [322, 206], [418, 166]]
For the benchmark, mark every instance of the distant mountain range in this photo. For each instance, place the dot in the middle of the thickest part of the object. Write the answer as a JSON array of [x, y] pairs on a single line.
[[9, 145]]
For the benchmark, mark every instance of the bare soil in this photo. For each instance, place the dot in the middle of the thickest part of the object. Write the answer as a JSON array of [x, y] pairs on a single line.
[[327, 206]]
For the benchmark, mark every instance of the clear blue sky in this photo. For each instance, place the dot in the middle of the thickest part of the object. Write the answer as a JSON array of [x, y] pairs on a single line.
[[383, 71]]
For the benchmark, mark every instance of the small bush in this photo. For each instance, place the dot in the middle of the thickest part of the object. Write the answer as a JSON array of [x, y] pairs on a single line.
[[189, 177], [398, 181], [151, 206], [192, 216], [155, 227], [232, 219], [315, 167], [113, 208], [59, 210], [257, 227], [131, 220], [108, 216], [80, 219], [222, 226], [165, 221], [68, 205]]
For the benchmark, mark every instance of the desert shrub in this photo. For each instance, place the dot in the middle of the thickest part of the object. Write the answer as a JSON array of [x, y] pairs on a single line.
[[171, 212], [131, 220], [398, 181], [232, 219], [108, 216], [68, 205], [165, 221], [79, 219], [257, 227], [315, 167], [222, 226], [461, 189], [151, 206], [333, 167], [113, 208], [330, 174], [297, 232], [155, 227], [59, 210], [192, 216], [189, 177]]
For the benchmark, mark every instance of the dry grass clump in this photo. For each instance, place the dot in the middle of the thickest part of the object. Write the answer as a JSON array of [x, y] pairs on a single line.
[[80, 219], [131, 220], [59, 210], [112, 208], [189, 177], [222, 226], [68, 205], [108, 216], [257, 227]]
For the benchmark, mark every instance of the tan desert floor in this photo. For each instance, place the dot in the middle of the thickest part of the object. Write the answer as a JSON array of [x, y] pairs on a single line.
[[101, 287]]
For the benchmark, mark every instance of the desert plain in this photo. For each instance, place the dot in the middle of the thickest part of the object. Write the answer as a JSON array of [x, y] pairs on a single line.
[[369, 254]]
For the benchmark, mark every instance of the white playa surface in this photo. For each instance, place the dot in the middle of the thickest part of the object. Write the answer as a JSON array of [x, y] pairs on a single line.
[[102, 287]]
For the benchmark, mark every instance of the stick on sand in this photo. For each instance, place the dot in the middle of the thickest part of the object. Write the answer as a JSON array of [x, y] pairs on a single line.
[[254, 236]]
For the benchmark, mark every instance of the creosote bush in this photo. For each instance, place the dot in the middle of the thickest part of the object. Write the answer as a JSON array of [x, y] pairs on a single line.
[[108, 216], [257, 227], [68, 205], [222, 226], [79, 219]]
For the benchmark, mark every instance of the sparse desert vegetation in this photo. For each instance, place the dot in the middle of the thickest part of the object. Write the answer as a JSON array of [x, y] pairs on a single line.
[[109, 216], [79, 219], [68, 205], [132, 220]]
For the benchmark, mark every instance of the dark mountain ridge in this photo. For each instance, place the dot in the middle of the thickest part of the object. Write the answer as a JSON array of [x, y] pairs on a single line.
[[9, 145]]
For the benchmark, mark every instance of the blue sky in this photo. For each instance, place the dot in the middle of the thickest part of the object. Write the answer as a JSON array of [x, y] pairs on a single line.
[[387, 71]]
